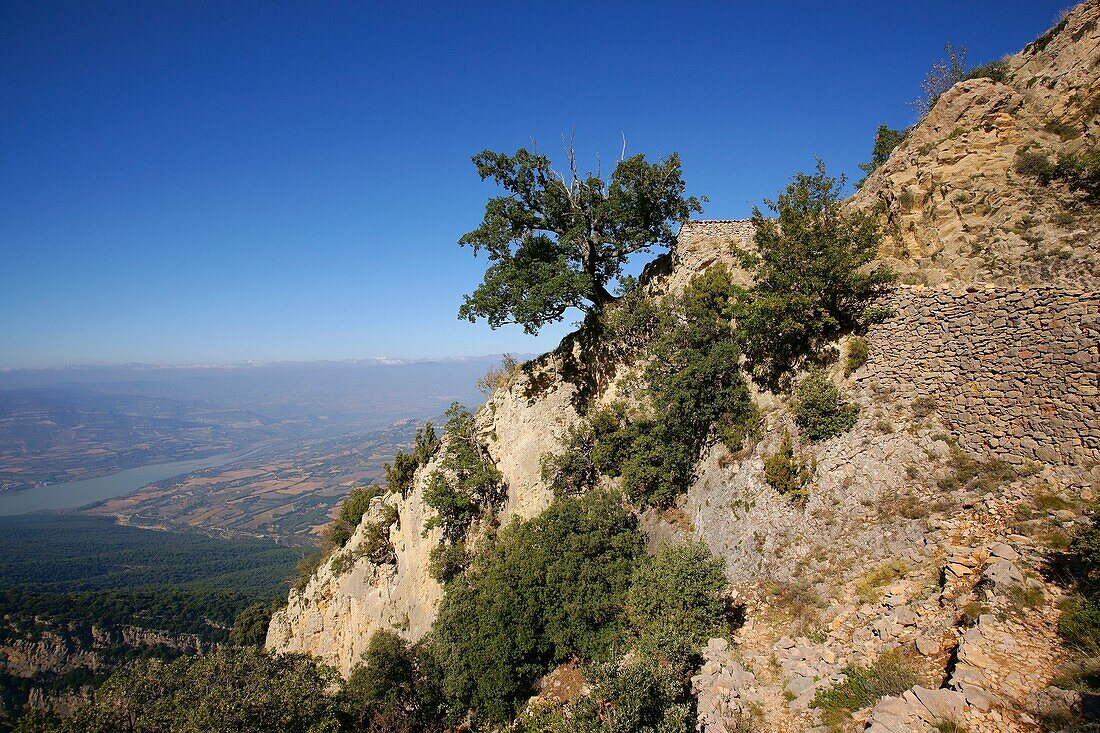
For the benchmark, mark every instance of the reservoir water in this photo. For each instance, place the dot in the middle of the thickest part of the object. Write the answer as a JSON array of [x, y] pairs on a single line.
[[78, 493]]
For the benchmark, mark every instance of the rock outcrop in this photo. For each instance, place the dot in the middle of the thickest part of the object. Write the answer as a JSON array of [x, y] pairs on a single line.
[[957, 209]]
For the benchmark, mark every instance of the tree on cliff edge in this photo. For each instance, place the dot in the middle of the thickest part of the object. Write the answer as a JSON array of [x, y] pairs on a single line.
[[554, 241]]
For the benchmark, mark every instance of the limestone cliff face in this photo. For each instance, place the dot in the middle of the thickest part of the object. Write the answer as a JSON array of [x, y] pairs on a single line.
[[957, 209], [350, 597]]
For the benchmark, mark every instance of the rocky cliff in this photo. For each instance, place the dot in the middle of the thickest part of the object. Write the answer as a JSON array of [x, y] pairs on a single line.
[[925, 525], [956, 206]]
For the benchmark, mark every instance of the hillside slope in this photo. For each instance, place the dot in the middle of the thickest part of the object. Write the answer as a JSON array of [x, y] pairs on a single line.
[[927, 526]]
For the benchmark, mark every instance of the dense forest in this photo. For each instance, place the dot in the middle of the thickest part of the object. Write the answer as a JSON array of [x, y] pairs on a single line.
[[87, 595]]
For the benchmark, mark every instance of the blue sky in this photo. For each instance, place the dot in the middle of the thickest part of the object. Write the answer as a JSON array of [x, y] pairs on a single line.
[[223, 181]]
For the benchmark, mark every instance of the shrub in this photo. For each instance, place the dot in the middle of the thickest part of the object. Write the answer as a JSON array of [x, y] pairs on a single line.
[[813, 277], [694, 385], [501, 378], [856, 355], [383, 684], [376, 545], [305, 569], [694, 390], [868, 587], [545, 590], [448, 560], [641, 694], [399, 474], [467, 484], [786, 474], [1080, 625], [250, 626], [1079, 171], [676, 600], [1079, 568], [1034, 163], [821, 411], [886, 139], [922, 407], [997, 70], [943, 75], [966, 472], [239, 689], [352, 509], [890, 674]]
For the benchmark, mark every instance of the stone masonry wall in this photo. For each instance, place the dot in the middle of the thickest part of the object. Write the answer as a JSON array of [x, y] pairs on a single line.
[[1013, 372]]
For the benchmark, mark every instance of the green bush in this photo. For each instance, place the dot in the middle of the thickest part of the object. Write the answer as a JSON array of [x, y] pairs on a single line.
[[997, 70], [399, 474], [886, 139], [676, 600], [890, 674], [640, 694], [305, 569], [786, 474], [694, 390], [1079, 171], [352, 509], [813, 277], [544, 591], [1079, 625], [386, 686], [250, 626], [1034, 163], [467, 484], [448, 560], [821, 410], [856, 355], [239, 689], [1079, 568]]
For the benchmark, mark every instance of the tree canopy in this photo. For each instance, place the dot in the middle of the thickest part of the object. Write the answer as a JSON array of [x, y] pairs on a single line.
[[815, 276], [554, 240]]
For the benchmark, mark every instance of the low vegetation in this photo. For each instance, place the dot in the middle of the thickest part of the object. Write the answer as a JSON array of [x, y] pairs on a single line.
[[693, 390], [869, 587], [543, 591], [467, 484], [787, 474], [890, 674], [886, 140], [499, 377], [1080, 172], [855, 355], [352, 509], [1078, 567], [399, 474], [238, 689], [967, 472], [820, 408]]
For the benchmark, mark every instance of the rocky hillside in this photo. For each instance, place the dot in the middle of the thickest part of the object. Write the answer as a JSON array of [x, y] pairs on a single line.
[[925, 529], [959, 208]]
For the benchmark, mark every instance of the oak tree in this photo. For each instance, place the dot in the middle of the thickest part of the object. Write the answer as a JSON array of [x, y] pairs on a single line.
[[554, 240]]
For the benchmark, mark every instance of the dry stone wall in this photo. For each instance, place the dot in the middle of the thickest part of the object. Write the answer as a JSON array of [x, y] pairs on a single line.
[[1014, 372]]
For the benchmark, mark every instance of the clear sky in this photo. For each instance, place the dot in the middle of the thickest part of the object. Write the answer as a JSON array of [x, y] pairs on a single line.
[[223, 181]]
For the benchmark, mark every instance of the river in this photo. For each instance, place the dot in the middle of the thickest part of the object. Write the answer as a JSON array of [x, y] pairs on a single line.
[[86, 491]]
